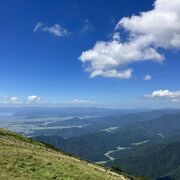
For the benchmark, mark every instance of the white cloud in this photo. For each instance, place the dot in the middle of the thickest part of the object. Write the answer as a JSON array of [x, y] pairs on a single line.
[[162, 24], [173, 96], [87, 26], [86, 101], [17, 100], [111, 57], [147, 77], [10, 100], [81, 101], [56, 29], [33, 99], [116, 36], [125, 74], [14, 99], [38, 26], [147, 32]]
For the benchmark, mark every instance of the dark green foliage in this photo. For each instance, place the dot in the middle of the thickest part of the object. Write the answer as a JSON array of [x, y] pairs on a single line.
[[158, 158], [116, 168], [153, 161]]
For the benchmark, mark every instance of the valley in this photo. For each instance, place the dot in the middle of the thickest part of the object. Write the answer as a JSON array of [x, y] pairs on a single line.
[[117, 139]]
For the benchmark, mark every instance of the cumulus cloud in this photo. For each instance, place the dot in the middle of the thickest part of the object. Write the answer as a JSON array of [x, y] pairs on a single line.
[[56, 29], [33, 99], [14, 100], [173, 96], [165, 32], [10, 100], [144, 38], [147, 77]]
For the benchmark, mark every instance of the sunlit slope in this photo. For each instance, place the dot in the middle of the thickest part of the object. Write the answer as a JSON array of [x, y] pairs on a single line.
[[22, 158]]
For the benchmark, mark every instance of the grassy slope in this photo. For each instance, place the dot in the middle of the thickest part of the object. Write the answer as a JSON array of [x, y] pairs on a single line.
[[22, 158]]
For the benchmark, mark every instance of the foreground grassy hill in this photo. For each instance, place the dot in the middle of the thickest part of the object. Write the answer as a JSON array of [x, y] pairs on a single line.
[[23, 158]]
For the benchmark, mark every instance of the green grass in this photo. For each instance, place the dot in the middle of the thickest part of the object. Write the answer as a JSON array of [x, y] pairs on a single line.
[[23, 158]]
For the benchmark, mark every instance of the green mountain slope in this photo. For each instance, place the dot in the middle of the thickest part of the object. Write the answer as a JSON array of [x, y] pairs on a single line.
[[23, 158], [153, 161], [150, 148]]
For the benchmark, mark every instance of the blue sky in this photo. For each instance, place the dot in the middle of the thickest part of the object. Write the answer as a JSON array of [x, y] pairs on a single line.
[[41, 46]]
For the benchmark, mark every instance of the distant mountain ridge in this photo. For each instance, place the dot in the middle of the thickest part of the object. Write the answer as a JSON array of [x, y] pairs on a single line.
[[144, 140]]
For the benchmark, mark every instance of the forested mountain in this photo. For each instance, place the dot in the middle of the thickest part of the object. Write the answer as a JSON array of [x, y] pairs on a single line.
[[144, 146]]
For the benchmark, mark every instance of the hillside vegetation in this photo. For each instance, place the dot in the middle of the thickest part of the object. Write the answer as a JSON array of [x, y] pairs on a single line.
[[148, 147], [23, 158]]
